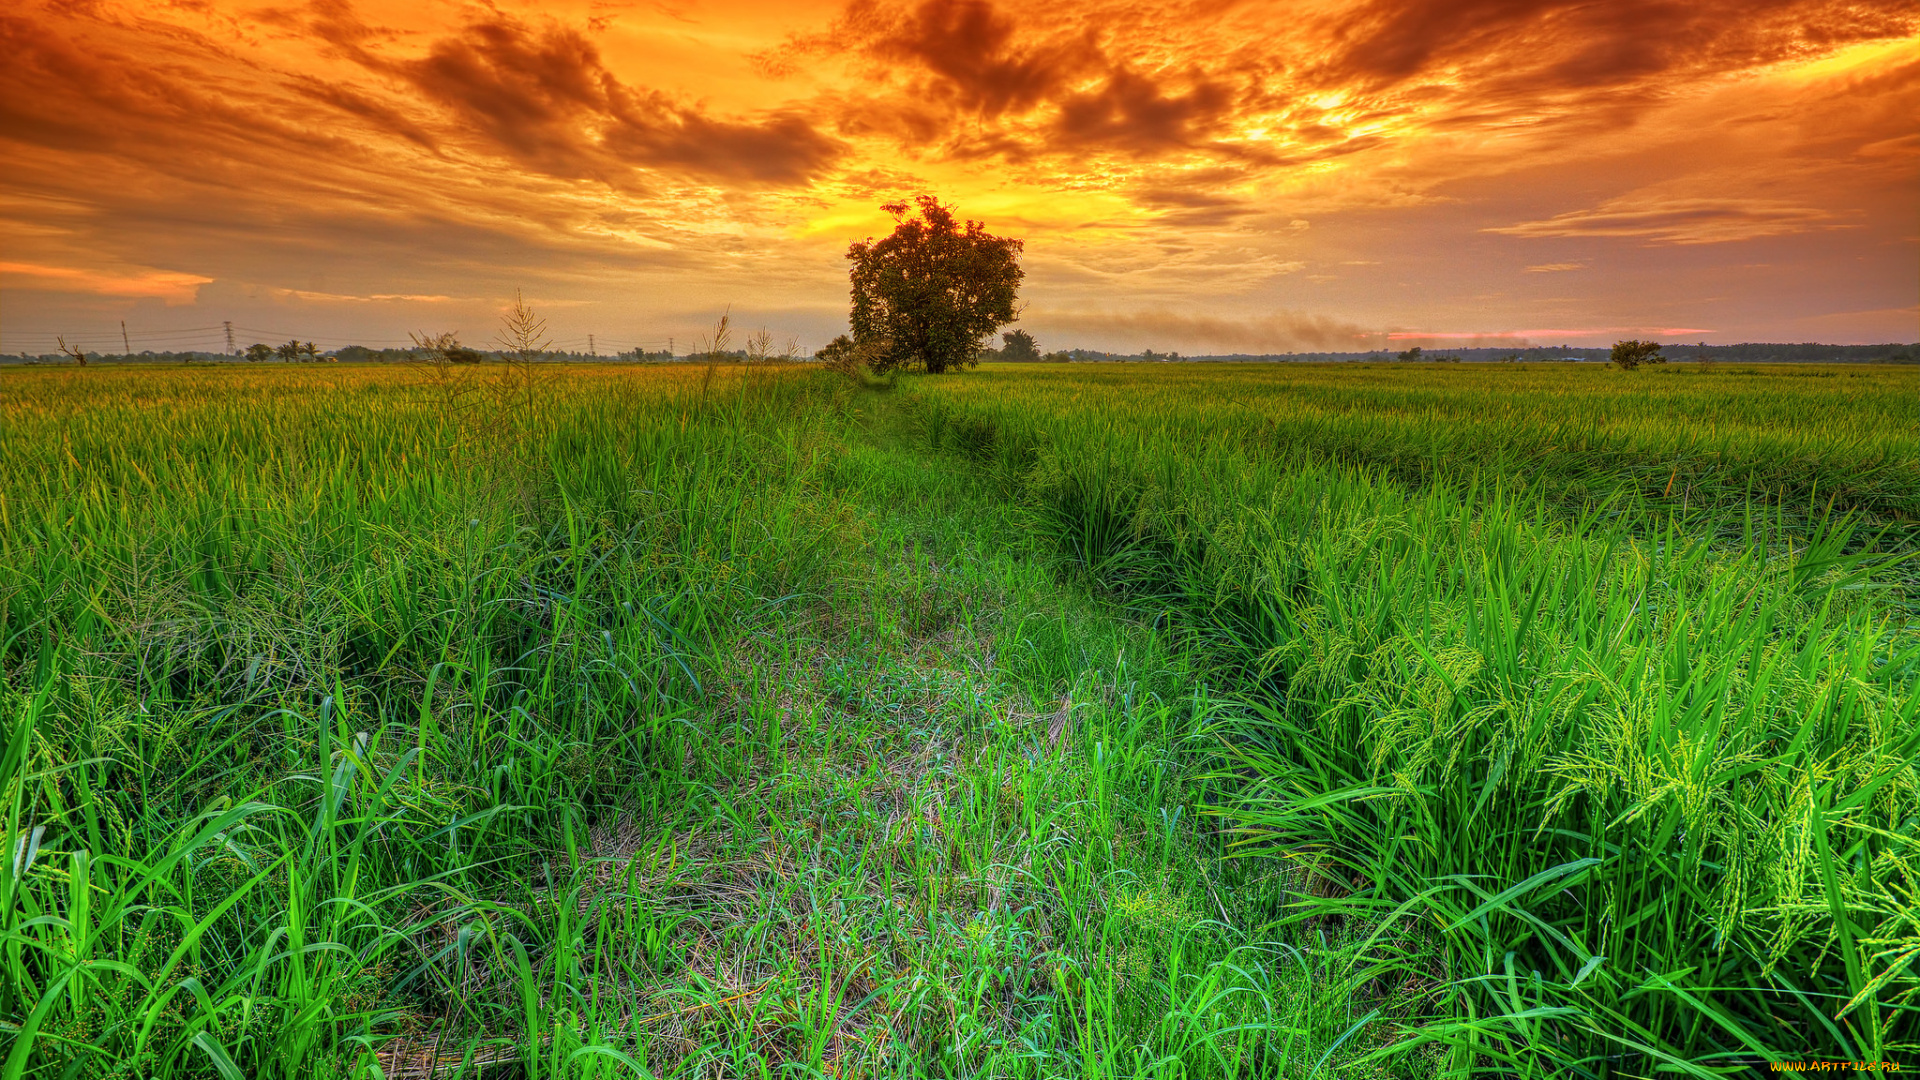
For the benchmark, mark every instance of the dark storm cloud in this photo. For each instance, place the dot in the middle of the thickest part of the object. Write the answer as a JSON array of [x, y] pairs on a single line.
[[969, 79], [376, 113], [963, 51], [1131, 111], [967, 48], [56, 94], [543, 97], [531, 93], [1198, 202]]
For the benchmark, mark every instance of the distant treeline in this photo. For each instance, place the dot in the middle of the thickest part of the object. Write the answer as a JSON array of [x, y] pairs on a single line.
[[360, 354], [351, 354], [1746, 353]]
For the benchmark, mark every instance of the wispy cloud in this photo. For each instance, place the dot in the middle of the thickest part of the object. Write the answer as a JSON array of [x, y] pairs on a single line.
[[1495, 338], [377, 298], [1678, 221], [1274, 332]]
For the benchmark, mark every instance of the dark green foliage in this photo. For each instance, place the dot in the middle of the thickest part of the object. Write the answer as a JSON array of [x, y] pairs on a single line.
[[1019, 347], [927, 296], [1629, 355], [838, 354], [304, 352]]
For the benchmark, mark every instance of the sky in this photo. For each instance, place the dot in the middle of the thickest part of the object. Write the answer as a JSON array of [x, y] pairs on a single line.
[[1202, 177]]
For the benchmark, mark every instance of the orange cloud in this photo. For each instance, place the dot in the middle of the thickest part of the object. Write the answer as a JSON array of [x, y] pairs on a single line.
[[172, 287]]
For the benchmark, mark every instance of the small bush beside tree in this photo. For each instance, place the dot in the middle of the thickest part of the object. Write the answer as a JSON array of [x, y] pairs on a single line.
[[850, 357]]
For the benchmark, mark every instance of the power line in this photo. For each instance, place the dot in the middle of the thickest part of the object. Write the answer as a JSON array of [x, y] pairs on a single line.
[[209, 339], [145, 335]]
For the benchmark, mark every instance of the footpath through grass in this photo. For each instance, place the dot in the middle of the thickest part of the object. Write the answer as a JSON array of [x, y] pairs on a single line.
[[694, 724]]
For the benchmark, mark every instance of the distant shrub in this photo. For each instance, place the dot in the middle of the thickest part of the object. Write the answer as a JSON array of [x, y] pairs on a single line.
[[1020, 347], [302, 351], [839, 355]]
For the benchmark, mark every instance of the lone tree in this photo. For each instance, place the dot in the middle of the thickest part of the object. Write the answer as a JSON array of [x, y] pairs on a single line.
[[928, 296], [1631, 354]]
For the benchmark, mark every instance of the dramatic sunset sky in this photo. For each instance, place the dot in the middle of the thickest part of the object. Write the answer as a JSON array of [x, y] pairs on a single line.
[[1204, 177]]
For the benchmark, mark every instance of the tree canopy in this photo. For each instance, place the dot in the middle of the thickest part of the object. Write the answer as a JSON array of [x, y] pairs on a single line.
[[931, 293], [1631, 354]]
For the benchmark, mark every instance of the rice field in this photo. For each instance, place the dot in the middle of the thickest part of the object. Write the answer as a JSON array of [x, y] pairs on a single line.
[[1082, 720]]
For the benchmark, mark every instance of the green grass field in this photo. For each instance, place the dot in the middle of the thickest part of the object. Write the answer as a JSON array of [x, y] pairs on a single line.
[[1092, 720]]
